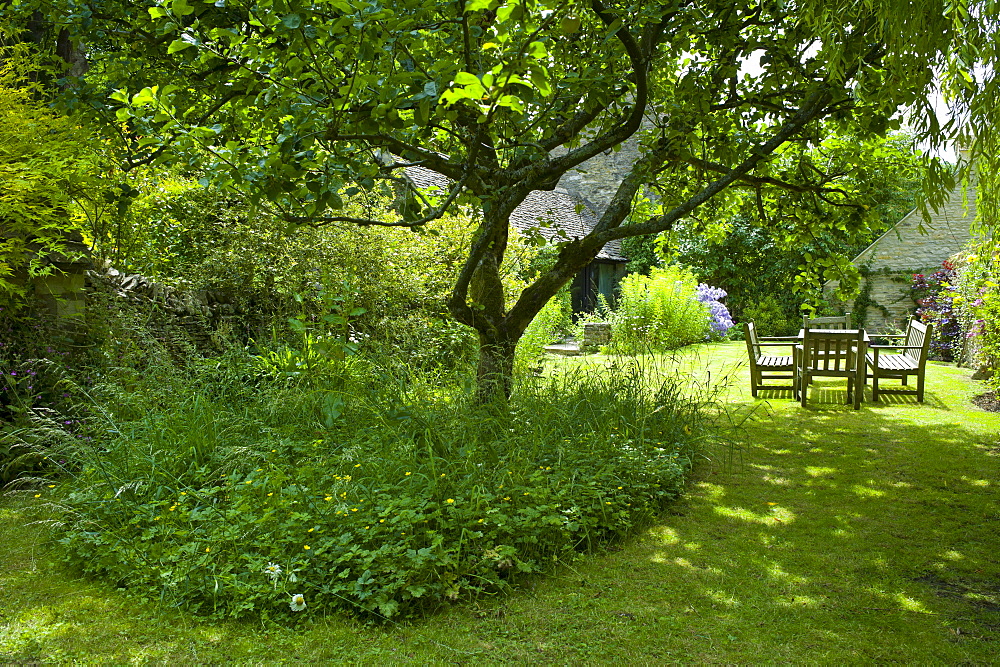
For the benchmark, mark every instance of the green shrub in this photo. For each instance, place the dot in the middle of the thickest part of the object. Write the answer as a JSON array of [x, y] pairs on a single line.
[[385, 492], [770, 318], [660, 311], [554, 319]]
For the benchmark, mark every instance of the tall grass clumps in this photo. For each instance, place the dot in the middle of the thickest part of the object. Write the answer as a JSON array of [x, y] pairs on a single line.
[[377, 491]]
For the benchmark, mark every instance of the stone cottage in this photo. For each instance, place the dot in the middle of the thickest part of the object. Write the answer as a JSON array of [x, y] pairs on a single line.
[[557, 215], [912, 245]]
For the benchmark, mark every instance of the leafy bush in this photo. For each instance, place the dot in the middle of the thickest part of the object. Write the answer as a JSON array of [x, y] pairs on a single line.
[[45, 164], [934, 295], [770, 317], [660, 311], [546, 328], [977, 304], [403, 497]]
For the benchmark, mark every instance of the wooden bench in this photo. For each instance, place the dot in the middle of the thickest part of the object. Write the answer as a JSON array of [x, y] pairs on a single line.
[[768, 366], [911, 359]]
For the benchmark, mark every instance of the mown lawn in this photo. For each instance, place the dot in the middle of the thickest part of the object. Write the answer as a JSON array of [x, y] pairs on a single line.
[[824, 535]]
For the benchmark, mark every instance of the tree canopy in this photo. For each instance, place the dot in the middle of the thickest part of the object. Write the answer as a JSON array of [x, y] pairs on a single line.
[[302, 103]]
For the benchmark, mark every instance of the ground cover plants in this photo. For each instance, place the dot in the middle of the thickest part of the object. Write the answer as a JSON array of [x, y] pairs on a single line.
[[364, 487], [835, 536]]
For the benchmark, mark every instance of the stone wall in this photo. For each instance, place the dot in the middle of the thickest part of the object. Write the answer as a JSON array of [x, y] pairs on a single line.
[[912, 246], [172, 316]]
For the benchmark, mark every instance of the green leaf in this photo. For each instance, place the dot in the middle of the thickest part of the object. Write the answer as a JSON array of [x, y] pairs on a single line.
[[181, 8], [466, 79], [476, 5], [177, 45], [157, 12], [537, 50], [292, 21], [541, 83]]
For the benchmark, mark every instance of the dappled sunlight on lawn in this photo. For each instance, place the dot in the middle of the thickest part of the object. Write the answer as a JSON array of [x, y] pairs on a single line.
[[834, 512], [772, 517]]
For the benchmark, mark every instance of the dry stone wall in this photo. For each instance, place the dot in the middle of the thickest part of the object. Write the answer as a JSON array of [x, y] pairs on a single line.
[[173, 316]]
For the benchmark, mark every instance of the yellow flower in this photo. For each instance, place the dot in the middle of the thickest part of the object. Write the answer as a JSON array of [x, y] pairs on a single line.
[[354, 509], [328, 498], [357, 465], [306, 547], [248, 481], [772, 503], [381, 520], [184, 493], [38, 495], [450, 500], [207, 549], [310, 530], [480, 521], [270, 494], [619, 488], [442, 474], [408, 474]]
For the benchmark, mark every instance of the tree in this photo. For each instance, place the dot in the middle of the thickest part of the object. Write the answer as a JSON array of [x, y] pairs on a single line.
[[45, 165], [757, 247], [303, 102]]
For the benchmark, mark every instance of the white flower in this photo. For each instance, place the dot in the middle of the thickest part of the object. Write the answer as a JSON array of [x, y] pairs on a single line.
[[272, 570], [298, 602]]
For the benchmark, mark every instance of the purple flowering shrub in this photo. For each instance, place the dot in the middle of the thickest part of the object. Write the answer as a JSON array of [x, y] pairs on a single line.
[[935, 295], [719, 319]]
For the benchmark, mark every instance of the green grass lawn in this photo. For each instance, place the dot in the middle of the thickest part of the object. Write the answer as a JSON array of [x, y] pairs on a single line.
[[826, 534]]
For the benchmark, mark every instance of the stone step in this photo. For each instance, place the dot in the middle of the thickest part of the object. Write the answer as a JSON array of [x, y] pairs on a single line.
[[564, 349]]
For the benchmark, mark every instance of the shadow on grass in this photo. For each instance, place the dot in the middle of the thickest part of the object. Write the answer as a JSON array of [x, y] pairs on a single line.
[[838, 514]]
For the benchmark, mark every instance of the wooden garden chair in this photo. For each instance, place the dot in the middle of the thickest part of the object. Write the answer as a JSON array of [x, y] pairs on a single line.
[[839, 322], [831, 353], [910, 358], [765, 366]]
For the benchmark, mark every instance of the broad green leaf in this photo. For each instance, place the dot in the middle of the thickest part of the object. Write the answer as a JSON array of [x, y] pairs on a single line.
[[292, 21], [537, 50], [465, 79], [181, 7], [177, 45]]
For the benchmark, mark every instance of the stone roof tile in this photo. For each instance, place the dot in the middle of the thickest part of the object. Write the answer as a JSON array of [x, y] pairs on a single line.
[[555, 215]]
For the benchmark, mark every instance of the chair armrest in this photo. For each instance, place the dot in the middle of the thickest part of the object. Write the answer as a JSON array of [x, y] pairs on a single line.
[[895, 347], [777, 338]]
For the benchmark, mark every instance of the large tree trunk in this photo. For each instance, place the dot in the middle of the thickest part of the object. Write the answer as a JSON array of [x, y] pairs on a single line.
[[495, 374]]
